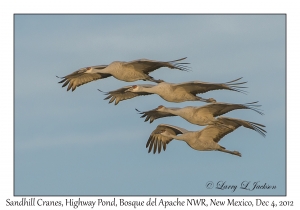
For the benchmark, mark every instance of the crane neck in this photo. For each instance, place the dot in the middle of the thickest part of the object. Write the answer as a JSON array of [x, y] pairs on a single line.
[[174, 111], [106, 70], [148, 89], [175, 137], [182, 112]]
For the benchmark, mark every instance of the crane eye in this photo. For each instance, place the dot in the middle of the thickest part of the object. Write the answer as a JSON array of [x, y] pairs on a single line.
[[88, 68]]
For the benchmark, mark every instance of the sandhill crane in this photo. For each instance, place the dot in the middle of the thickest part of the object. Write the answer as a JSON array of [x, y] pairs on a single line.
[[203, 115], [173, 92], [205, 140], [125, 71]]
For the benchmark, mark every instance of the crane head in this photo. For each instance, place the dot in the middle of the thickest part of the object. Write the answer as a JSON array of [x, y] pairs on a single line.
[[211, 100], [132, 88], [160, 107], [85, 70]]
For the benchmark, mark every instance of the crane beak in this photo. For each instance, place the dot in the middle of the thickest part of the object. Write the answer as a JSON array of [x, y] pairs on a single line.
[[210, 100], [202, 99]]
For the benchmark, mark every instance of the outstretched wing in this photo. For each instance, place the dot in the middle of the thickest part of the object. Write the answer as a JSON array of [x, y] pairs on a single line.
[[247, 124], [80, 77], [154, 114], [157, 141], [217, 109], [196, 87], [121, 94], [227, 125], [148, 66]]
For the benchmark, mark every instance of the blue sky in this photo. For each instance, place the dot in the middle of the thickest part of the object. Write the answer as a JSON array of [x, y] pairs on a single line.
[[75, 143]]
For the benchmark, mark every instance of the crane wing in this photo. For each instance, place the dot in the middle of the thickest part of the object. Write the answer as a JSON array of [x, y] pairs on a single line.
[[121, 94], [196, 87], [148, 66], [217, 109], [228, 125], [247, 124], [154, 114], [80, 77], [157, 141]]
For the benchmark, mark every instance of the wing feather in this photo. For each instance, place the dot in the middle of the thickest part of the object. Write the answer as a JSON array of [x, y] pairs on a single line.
[[196, 87], [217, 109], [148, 66], [121, 94], [228, 125], [247, 124], [158, 141], [154, 114], [80, 77]]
